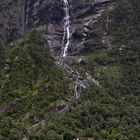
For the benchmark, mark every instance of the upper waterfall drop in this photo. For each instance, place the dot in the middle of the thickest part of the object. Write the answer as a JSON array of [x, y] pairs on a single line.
[[66, 26]]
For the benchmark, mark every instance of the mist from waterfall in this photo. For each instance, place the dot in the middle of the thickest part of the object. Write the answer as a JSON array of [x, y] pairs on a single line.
[[66, 26]]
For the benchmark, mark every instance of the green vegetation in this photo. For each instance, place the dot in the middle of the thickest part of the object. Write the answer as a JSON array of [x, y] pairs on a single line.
[[32, 86], [111, 112]]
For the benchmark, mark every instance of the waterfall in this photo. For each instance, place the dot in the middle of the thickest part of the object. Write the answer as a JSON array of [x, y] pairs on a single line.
[[66, 26], [78, 82]]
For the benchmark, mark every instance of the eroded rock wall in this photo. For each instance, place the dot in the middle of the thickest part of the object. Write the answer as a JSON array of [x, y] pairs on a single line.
[[11, 20], [17, 16], [84, 17]]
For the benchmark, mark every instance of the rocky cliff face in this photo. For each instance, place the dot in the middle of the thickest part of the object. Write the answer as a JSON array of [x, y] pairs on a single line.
[[47, 16], [84, 17], [11, 20]]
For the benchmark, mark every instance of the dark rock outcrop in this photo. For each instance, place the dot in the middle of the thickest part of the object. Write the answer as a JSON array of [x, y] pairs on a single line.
[[46, 16], [84, 16], [17, 16], [11, 20]]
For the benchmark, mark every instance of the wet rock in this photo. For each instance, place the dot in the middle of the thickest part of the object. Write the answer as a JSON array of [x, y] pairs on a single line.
[[7, 67]]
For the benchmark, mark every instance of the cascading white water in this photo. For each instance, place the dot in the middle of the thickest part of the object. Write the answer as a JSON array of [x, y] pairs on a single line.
[[66, 26], [79, 82]]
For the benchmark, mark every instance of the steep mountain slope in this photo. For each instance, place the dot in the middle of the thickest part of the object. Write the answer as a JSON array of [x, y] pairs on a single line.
[[38, 83]]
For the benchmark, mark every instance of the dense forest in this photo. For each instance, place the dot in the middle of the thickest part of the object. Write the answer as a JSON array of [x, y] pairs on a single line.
[[32, 86]]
